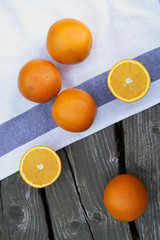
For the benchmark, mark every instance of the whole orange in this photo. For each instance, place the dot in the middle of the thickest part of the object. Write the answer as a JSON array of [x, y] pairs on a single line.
[[74, 110], [69, 41], [39, 80], [125, 197]]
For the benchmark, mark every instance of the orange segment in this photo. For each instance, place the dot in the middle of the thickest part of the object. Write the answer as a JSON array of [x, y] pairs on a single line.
[[129, 80], [40, 166]]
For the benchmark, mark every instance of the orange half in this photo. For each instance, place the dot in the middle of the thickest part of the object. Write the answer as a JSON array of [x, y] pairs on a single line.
[[129, 80], [40, 166]]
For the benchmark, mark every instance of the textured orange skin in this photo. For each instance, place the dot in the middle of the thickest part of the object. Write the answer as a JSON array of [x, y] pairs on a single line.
[[39, 81], [69, 41], [74, 110], [125, 197]]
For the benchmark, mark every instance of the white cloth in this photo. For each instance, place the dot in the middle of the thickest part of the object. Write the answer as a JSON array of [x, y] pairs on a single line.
[[121, 29]]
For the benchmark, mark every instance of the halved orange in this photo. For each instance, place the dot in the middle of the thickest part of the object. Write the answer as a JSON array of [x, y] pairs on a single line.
[[40, 166], [129, 80]]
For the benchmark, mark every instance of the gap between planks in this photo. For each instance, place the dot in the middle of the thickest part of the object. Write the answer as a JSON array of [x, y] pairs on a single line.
[[47, 214], [85, 213], [119, 136]]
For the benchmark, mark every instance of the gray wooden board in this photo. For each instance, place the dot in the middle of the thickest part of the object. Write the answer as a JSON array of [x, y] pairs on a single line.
[[94, 163], [142, 157], [3, 224], [22, 211], [66, 213]]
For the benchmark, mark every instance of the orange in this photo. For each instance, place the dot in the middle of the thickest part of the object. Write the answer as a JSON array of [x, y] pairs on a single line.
[[39, 81], [69, 41], [129, 80], [125, 197], [74, 110], [40, 166]]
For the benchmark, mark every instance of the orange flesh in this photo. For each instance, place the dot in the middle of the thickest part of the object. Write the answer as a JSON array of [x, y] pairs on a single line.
[[129, 80], [40, 167]]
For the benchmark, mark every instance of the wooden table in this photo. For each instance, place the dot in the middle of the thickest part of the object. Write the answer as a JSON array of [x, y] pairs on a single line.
[[72, 207]]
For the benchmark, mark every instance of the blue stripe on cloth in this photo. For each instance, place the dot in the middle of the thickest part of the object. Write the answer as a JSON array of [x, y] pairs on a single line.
[[97, 86], [38, 120]]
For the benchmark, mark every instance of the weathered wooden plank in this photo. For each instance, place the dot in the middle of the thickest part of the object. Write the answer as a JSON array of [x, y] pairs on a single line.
[[3, 227], [66, 213], [22, 211], [94, 162], [142, 154]]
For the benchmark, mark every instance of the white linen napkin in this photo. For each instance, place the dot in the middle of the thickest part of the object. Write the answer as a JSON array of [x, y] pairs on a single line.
[[121, 29]]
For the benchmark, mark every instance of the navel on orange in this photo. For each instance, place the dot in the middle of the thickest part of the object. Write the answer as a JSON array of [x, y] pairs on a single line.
[[129, 80], [40, 166]]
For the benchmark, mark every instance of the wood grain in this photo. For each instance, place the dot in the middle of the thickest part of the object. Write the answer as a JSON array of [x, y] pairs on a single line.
[[94, 163], [3, 225], [22, 211], [142, 157], [66, 213]]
